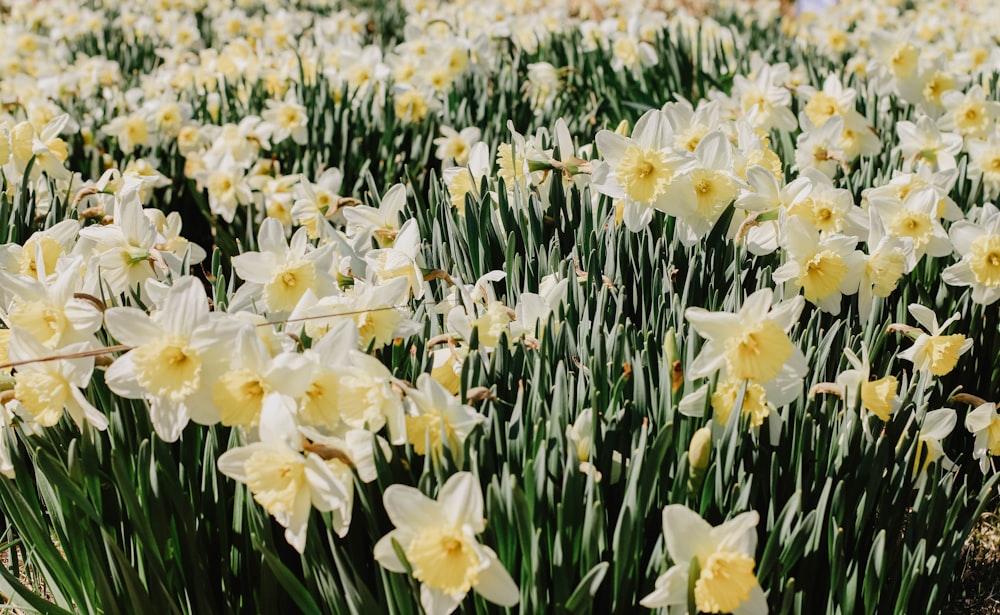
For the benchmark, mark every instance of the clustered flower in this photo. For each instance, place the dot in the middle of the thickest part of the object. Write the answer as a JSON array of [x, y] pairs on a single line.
[[328, 281]]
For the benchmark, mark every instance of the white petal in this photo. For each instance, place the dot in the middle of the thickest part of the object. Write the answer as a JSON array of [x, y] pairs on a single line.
[[461, 500], [686, 533], [407, 507], [693, 404], [169, 418], [185, 308], [121, 378], [738, 534], [298, 521], [93, 416], [671, 588], [436, 602], [385, 554], [980, 418], [131, 326], [938, 423], [756, 604], [327, 491], [231, 463], [925, 316], [495, 583], [713, 325]]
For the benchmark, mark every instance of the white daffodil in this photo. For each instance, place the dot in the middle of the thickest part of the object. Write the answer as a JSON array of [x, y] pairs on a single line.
[[48, 307], [887, 260], [984, 424], [827, 208], [714, 186], [877, 396], [969, 113], [346, 386], [937, 425], [316, 202], [286, 118], [46, 388], [833, 99], [644, 171], [282, 271], [917, 216], [38, 255], [767, 194], [932, 351], [765, 97], [382, 222], [125, 255], [251, 375], [725, 563], [923, 143], [752, 344], [287, 482], [399, 261], [979, 246], [467, 179], [454, 147], [984, 162], [821, 148], [174, 359], [438, 540], [438, 419], [825, 269]]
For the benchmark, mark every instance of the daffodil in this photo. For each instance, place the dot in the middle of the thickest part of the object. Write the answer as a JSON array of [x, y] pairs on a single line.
[[933, 352], [979, 245], [438, 419], [281, 272], [878, 396], [984, 162], [724, 554], [984, 424], [50, 308], [825, 269], [125, 253], [454, 147], [644, 171], [923, 143], [714, 187], [174, 360], [287, 481], [251, 375], [752, 344], [937, 425], [46, 388], [888, 259], [438, 540], [916, 216]]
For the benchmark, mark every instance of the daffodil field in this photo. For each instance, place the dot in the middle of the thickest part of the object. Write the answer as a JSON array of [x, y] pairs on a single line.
[[599, 306]]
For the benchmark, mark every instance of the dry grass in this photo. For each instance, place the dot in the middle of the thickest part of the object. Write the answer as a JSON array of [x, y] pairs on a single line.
[[977, 590]]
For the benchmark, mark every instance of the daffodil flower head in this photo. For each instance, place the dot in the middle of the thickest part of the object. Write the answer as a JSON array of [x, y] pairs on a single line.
[[437, 538], [174, 356], [937, 425], [752, 344], [984, 424], [644, 171], [47, 388], [933, 352], [824, 268], [438, 419], [287, 482], [979, 245], [877, 396], [721, 556]]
